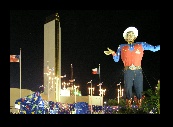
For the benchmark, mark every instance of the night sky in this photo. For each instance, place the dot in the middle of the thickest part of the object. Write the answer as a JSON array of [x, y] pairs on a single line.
[[86, 34]]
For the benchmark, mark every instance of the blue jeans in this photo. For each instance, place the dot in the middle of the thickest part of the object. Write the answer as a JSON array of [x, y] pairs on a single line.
[[133, 77]]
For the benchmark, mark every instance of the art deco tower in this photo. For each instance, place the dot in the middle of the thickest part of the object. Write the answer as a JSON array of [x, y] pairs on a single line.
[[52, 58]]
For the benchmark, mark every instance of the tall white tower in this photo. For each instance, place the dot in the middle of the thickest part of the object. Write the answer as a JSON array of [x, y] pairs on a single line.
[[52, 58]]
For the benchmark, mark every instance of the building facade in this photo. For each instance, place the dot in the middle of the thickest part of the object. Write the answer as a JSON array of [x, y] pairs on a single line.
[[52, 58]]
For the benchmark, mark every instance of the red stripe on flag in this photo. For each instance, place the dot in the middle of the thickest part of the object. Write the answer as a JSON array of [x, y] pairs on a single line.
[[95, 71], [14, 58]]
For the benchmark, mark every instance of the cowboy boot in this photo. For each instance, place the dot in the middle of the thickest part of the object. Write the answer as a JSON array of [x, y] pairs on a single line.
[[129, 103], [139, 103]]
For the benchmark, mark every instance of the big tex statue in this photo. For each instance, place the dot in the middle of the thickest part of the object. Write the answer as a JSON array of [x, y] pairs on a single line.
[[131, 55]]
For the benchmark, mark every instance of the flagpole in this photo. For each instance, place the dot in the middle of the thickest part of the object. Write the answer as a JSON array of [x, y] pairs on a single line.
[[99, 75], [100, 86], [20, 71]]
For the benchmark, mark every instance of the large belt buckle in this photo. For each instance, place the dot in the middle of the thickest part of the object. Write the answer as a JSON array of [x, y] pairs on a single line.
[[132, 67]]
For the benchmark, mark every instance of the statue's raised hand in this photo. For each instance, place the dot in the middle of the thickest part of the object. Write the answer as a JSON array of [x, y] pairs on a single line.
[[109, 52]]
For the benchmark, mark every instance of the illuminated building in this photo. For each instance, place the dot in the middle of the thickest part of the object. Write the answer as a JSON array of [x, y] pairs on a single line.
[[52, 58]]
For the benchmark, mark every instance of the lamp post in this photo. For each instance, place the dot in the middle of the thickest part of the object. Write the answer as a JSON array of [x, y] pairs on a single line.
[[120, 92], [57, 90], [75, 91], [92, 92], [64, 84], [48, 78], [48, 87], [100, 86], [120, 88], [118, 96], [58, 87], [102, 92]]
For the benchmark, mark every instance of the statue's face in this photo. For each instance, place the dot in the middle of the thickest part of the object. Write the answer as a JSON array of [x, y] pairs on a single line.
[[130, 37]]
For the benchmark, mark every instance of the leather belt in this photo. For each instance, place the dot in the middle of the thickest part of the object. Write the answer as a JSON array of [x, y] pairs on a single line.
[[132, 67]]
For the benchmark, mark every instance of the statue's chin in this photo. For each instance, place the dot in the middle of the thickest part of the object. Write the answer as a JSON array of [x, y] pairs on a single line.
[[130, 42]]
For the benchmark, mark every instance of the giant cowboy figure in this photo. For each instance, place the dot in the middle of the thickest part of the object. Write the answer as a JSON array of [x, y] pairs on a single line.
[[131, 55]]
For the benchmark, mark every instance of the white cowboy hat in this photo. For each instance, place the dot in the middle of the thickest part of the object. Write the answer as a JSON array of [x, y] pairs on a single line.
[[130, 29]]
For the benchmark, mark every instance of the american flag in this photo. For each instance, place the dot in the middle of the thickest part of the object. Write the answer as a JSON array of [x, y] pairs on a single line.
[[95, 71], [14, 58]]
